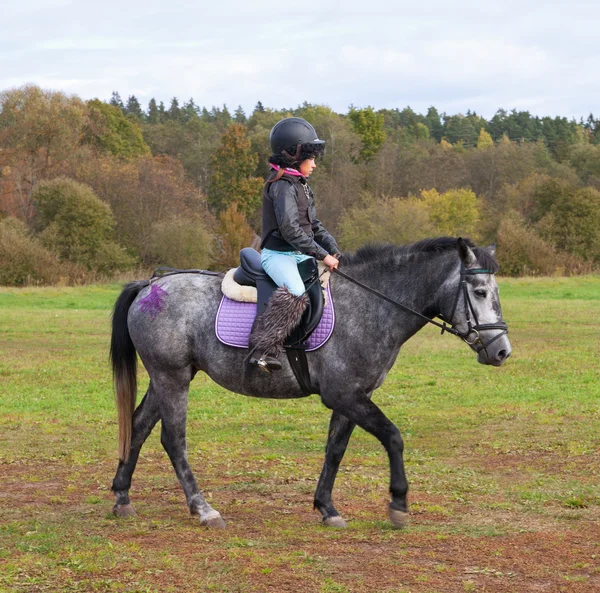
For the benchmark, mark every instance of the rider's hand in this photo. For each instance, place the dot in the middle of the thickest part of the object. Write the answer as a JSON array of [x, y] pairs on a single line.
[[331, 262]]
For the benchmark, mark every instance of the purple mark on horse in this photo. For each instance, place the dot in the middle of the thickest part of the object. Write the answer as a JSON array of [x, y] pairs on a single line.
[[153, 302]]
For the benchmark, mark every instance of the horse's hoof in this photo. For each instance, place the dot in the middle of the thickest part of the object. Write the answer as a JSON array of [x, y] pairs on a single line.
[[399, 519], [336, 521], [124, 510], [213, 521]]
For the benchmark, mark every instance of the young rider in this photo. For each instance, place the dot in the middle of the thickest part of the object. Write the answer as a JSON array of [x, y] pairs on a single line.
[[291, 233]]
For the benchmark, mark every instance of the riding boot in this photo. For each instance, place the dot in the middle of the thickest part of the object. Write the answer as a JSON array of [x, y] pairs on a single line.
[[283, 313]]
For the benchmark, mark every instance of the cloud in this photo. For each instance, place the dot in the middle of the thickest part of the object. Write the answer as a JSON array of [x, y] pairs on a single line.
[[478, 55], [91, 43], [378, 59]]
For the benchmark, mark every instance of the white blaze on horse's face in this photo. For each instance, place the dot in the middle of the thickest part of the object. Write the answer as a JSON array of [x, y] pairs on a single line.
[[478, 315], [493, 346]]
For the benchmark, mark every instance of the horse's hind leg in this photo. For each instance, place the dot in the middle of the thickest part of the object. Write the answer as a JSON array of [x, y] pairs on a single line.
[[145, 417], [340, 430], [173, 413]]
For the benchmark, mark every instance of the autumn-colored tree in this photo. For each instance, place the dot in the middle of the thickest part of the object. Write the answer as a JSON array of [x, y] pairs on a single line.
[[337, 181], [193, 143], [259, 129], [455, 212], [141, 193], [233, 180], [39, 130], [233, 234], [484, 140]]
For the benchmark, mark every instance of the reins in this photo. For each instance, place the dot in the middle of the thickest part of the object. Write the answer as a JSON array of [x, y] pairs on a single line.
[[446, 325]]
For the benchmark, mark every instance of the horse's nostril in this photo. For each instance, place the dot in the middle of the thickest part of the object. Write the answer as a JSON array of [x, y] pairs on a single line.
[[501, 355]]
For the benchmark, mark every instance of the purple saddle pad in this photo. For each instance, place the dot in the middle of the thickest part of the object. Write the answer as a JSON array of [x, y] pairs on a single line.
[[234, 322]]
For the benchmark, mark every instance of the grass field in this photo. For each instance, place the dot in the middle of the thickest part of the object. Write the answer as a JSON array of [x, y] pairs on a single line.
[[504, 465]]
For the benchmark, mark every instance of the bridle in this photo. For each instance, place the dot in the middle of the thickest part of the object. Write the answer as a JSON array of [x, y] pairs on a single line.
[[446, 325], [472, 328]]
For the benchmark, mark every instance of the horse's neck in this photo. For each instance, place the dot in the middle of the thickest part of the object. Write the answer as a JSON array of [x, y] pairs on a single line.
[[413, 283], [417, 284]]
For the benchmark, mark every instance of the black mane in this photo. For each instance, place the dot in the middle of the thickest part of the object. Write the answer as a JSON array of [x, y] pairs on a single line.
[[373, 253]]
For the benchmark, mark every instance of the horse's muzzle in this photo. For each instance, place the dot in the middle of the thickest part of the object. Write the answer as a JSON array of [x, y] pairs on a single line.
[[495, 353]]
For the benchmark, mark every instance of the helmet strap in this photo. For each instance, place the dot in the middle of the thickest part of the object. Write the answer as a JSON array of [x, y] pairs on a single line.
[[296, 157]]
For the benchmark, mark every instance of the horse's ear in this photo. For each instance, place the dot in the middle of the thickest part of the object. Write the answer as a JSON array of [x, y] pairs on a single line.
[[466, 253], [491, 249]]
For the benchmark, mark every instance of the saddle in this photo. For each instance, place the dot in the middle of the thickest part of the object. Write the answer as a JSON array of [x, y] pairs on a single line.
[[251, 273]]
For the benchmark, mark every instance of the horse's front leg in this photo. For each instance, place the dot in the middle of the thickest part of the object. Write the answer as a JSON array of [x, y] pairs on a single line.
[[340, 430], [173, 412], [360, 410]]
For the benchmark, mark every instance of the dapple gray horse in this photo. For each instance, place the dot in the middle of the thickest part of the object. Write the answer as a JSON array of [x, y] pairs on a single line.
[[175, 338]]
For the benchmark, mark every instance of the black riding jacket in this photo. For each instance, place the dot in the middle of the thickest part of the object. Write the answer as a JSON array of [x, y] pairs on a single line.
[[289, 219]]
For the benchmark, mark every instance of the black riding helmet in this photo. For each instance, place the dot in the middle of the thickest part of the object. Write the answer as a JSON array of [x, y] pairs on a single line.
[[295, 140]]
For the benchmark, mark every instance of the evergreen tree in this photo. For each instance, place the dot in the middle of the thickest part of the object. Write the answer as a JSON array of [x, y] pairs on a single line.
[[259, 108], [134, 108], [225, 115], [153, 115], [190, 110], [162, 112], [434, 122], [240, 116], [462, 129], [116, 101], [206, 115], [174, 112]]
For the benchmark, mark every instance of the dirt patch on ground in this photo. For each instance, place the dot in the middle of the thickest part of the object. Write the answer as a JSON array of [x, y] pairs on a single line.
[[274, 541]]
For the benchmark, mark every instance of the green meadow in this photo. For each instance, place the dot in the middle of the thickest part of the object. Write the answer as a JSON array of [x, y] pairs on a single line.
[[504, 464]]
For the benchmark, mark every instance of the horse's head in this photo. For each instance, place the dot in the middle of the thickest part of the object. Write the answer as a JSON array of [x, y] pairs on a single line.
[[474, 309]]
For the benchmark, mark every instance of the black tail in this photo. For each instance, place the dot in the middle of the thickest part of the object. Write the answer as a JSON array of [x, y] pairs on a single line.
[[123, 357]]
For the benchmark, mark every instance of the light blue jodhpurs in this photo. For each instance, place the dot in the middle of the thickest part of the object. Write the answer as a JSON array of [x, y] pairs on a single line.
[[282, 267]]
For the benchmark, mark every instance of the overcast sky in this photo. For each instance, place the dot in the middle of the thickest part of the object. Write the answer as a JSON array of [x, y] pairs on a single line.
[[480, 55]]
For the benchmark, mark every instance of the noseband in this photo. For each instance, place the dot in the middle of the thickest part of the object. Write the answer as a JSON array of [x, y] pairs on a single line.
[[471, 315]]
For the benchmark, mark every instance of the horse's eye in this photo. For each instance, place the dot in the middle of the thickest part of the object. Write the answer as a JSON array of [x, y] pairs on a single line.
[[480, 293]]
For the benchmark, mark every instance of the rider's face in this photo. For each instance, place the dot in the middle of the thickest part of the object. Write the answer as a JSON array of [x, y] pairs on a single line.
[[307, 166]]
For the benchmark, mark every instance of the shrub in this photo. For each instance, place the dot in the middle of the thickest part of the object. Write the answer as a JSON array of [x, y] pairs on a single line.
[[573, 223], [77, 226], [521, 251], [392, 220], [23, 260], [181, 242]]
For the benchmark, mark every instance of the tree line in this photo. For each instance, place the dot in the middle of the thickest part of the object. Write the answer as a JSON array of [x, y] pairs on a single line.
[[89, 188]]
